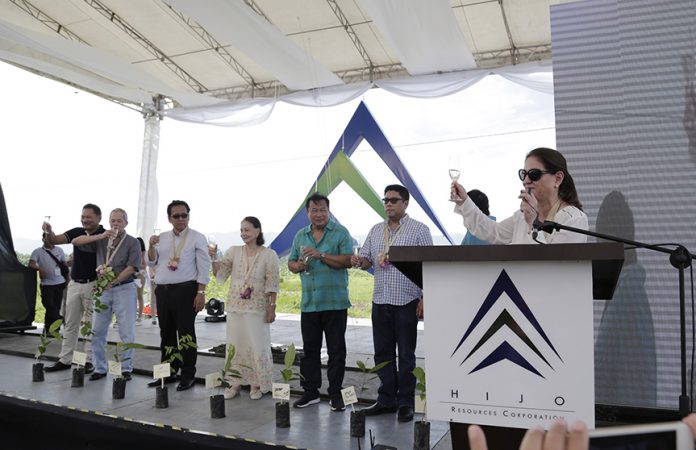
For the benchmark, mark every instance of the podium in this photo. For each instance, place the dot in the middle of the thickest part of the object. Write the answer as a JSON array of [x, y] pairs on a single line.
[[509, 332]]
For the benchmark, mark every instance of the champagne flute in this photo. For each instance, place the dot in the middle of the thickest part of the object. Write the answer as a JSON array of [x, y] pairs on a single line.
[[156, 232], [305, 259], [356, 252], [46, 224], [454, 176], [212, 245]]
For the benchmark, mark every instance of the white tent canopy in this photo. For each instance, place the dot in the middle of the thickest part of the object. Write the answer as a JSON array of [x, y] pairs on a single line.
[[227, 62], [235, 57]]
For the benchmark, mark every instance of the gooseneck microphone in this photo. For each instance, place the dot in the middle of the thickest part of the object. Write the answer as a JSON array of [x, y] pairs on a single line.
[[537, 225]]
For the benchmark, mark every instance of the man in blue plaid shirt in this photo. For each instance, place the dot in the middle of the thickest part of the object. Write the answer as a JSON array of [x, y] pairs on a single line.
[[321, 254], [397, 304]]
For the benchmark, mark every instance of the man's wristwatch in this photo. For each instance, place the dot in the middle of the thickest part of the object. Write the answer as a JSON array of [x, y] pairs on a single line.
[[201, 292], [321, 256]]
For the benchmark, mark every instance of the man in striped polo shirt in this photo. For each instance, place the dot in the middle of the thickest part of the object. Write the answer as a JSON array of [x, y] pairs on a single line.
[[397, 304]]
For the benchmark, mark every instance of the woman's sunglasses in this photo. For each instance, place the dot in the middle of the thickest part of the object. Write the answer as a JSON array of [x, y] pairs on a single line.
[[533, 174]]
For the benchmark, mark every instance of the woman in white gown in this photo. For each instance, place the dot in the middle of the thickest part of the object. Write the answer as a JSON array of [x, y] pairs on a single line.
[[251, 302]]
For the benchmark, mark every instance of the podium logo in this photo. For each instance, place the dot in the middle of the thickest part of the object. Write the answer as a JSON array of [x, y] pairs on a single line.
[[505, 351]]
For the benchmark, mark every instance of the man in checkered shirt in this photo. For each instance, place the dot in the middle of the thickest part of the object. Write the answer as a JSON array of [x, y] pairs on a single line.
[[397, 304]]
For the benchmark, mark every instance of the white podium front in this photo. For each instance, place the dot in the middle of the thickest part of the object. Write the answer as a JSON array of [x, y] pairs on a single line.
[[509, 329]]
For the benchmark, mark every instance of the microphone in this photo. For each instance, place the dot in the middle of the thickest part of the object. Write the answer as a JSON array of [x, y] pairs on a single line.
[[547, 225]]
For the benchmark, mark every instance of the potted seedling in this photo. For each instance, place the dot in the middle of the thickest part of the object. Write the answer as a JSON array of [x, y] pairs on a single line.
[[357, 418], [37, 373], [118, 388], [289, 374], [421, 428], [221, 379], [165, 369], [80, 358]]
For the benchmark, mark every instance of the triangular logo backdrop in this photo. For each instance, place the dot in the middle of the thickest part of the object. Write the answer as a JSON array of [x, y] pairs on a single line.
[[339, 168]]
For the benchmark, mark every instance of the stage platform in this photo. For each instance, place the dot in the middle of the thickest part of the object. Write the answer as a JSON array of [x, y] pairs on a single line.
[[135, 420]]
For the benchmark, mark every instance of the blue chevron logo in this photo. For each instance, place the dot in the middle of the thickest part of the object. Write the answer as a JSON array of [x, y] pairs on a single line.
[[505, 351]]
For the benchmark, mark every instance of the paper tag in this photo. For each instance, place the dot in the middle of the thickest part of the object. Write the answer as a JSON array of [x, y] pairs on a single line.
[[213, 380], [56, 272], [161, 370], [79, 358], [281, 391], [349, 396], [115, 368], [419, 406]]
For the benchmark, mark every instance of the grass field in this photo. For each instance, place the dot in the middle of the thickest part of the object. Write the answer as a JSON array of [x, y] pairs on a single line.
[[290, 295]]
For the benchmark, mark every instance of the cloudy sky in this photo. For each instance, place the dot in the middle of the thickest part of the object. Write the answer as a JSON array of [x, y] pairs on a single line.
[[62, 148]]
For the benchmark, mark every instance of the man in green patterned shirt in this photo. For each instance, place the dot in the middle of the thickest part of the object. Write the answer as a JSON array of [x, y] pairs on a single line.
[[321, 255]]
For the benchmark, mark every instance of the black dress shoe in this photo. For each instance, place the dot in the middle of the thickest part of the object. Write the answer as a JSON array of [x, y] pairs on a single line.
[[97, 376], [405, 414], [377, 409], [56, 367], [158, 382], [89, 368], [186, 384]]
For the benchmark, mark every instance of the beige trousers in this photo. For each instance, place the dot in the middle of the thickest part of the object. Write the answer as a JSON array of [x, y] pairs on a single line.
[[78, 309]]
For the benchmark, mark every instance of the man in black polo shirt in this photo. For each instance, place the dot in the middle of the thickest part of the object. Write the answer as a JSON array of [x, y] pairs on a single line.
[[78, 306]]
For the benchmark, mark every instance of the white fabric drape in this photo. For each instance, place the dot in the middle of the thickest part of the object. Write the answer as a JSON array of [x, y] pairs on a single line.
[[235, 23], [148, 198], [424, 35], [87, 66], [536, 75]]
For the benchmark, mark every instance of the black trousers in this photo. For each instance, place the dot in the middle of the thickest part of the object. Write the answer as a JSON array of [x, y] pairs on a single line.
[[332, 324], [395, 327], [51, 298], [176, 319]]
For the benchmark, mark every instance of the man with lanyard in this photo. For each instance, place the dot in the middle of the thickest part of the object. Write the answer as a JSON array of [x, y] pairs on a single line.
[[183, 271], [321, 254], [78, 304], [397, 304], [46, 260], [117, 250]]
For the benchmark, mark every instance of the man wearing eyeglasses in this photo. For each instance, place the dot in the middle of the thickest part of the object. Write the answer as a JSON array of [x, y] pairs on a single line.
[[83, 274], [321, 254], [397, 304], [183, 267]]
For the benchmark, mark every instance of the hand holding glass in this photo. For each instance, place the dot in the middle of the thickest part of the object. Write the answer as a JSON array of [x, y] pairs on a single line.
[[212, 246], [454, 176], [304, 259], [356, 254]]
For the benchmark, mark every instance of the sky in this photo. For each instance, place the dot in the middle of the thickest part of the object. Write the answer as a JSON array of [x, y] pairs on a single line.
[[62, 148]]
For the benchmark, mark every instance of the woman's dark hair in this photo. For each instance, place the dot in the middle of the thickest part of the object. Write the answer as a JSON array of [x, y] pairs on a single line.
[[256, 224], [480, 199], [142, 244], [554, 162]]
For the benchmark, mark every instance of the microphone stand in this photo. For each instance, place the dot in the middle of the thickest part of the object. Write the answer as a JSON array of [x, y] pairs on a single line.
[[679, 257]]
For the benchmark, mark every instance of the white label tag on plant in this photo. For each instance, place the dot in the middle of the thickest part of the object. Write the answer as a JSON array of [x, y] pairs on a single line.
[[281, 391], [419, 406], [115, 368], [161, 370], [349, 396], [212, 380], [79, 358]]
